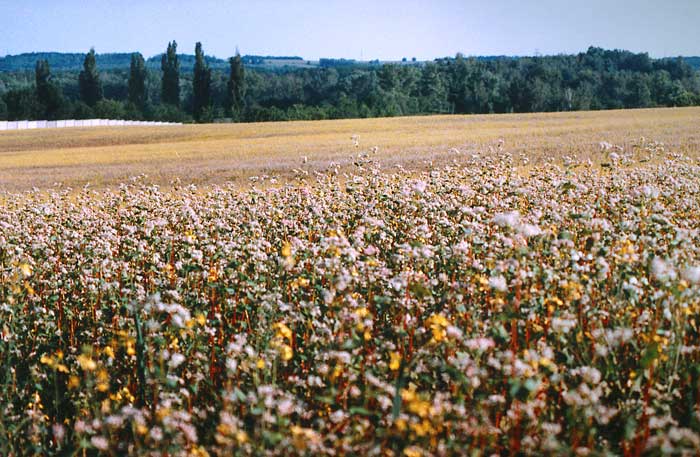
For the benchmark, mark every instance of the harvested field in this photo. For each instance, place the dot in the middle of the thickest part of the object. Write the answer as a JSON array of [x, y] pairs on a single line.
[[217, 153]]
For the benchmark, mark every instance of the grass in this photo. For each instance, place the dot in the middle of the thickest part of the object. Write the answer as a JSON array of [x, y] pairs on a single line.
[[216, 153]]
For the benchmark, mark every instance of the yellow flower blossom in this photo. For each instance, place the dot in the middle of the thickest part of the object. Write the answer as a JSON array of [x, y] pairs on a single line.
[[286, 250], [395, 361], [86, 362], [283, 331], [73, 382], [26, 269], [286, 352], [241, 437], [438, 325], [213, 274]]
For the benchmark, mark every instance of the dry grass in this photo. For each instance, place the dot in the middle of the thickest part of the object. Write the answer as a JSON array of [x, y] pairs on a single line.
[[217, 153]]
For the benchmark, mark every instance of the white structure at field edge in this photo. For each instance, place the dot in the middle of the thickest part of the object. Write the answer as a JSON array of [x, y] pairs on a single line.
[[67, 123]]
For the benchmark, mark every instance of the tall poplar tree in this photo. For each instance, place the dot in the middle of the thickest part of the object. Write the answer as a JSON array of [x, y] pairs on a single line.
[[201, 85], [235, 89], [47, 93], [137, 81], [170, 90], [89, 81]]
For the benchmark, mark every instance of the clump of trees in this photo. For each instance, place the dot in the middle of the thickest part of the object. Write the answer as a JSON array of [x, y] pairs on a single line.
[[206, 90]]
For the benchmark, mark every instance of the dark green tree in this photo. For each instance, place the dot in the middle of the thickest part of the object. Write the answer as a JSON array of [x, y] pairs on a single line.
[[48, 94], [22, 104], [458, 94], [235, 89], [201, 86], [170, 88], [638, 93], [432, 90], [137, 82], [3, 109], [389, 77], [89, 81]]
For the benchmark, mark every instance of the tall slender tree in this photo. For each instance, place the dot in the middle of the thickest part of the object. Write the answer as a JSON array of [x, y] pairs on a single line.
[[170, 90], [137, 81], [89, 80], [201, 85], [235, 89], [48, 94]]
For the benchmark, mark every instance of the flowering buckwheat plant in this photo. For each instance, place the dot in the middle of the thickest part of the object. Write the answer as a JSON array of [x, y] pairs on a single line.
[[469, 310]]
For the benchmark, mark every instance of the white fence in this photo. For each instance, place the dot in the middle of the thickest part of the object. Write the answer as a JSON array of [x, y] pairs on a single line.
[[25, 125]]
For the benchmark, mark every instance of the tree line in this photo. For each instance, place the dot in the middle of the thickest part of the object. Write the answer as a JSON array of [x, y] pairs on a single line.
[[592, 80]]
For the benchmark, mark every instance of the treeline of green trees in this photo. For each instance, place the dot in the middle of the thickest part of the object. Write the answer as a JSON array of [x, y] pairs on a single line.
[[58, 97], [596, 79]]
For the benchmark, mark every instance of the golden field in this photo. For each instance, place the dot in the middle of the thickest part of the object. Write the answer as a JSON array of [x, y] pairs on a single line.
[[216, 153]]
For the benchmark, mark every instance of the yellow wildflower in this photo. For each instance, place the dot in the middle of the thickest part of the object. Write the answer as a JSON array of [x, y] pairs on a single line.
[[395, 361], [286, 250], [130, 348], [86, 362], [241, 437], [283, 331], [213, 274], [73, 382], [286, 352], [362, 312], [26, 269], [438, 325]]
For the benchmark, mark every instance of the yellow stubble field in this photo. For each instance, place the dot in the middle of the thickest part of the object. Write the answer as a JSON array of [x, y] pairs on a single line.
[[218, 153]]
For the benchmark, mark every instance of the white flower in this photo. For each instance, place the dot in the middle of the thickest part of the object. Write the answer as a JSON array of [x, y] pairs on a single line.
[[176, 360], [480, 344], [529, 230], [285, 407], [420, 186], [510, 219], [692, 275], [462, 247], [649, 191], [100, 442], [498, 283], [454, 332], [661, 270], [231, 364], [560, 325]]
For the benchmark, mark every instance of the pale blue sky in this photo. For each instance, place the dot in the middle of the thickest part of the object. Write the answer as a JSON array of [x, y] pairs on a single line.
[[386, 30]]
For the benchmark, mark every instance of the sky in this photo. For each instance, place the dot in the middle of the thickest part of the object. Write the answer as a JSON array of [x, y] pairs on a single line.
[[354, 29]]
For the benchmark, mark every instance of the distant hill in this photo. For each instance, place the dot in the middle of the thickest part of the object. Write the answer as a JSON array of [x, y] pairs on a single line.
[[186, 62], [111, 61], [693, 61], [63, 61]]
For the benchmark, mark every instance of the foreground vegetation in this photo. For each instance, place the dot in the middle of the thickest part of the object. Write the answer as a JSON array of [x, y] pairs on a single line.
[[466, 310]]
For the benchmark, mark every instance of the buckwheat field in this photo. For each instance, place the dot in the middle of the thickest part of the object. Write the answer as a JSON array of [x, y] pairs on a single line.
[[474, 308]]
